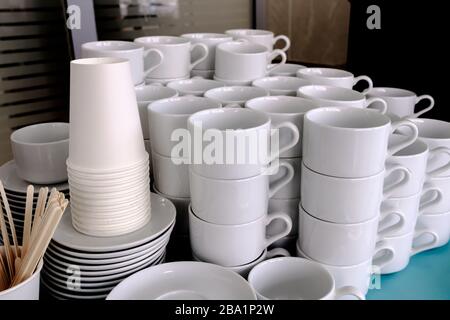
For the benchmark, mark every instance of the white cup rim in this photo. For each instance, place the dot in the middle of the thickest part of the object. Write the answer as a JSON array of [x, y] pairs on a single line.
[[217, 93], [381, 173], [297, 103], [391, 92], [206, 36], [168, 40], [176, 106], [225, 226], [95, 62], [111, 45], [18, 135], [147, 90], [352, 95], [331, 73], [250, 32], [426, 123]]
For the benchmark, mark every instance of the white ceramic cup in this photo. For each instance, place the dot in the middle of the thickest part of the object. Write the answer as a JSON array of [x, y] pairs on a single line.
[[245, 61], [292, 278], [127, 50], [333, 77], [288, 206], [233, 245], [358, 275], [280, 85], [235, 96], [105, 129], [177, 55], [347, 200], [329, 96], [232, 202], [290, 190], [167, 115], [439, 224], [171, 177], [211, 40], [286, 70], [195, 86], [436, 134], [338, 244], [26, 290], [146, 95], [281, 109], [40, 152], [248, 145], [441, 203], [263, 37], [350, 142], [399, 249], [408, 209], [402, 102]]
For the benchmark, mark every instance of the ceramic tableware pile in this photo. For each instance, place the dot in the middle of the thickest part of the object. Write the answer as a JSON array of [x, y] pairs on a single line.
[[79, 266], [343, 186], [229, 198], [171, 164], [281, 110], [108, 167]]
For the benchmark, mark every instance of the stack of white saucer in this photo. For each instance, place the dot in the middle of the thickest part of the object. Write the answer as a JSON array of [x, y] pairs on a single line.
[[108, 167]]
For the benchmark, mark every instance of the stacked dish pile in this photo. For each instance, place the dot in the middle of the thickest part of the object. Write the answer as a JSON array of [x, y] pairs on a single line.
[[79, 266]]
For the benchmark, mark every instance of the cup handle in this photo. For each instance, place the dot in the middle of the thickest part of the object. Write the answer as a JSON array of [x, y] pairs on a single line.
[[349, 291], [421, 112], [437, 198], [403, 144], [404, 179], [434, 153], [202, 58], [386, 258], [395, 227], [278, 216], [295, 138], [427, 246], [161, 59], [284, 180], [369, 82], [273, 55], [286, 40], [232, 105], [370, 101], [277, 252]]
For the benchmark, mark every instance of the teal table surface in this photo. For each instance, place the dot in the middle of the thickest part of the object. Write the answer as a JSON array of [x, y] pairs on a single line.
[[427, 277]]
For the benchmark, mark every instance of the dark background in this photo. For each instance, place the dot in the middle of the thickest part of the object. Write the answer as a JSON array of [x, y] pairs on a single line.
[[410, 51]]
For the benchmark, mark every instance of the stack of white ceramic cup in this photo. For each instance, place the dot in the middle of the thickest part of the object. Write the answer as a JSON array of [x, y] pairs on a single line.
[[205, 69], [436, 134], [107, 165], [343, 186], [230, 188], [167, 121], [282, 109], [176, 52], [239, 63]]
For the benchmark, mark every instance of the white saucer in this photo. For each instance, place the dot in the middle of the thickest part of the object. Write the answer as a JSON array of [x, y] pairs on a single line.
[[183, 280], [14, 184], [163, 215]]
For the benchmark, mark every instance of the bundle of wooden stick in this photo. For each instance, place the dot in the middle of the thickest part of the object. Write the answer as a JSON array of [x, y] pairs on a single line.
[[18, 263]]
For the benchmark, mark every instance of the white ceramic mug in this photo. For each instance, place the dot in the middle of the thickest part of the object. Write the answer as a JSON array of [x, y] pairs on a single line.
[[233, 245], [127, 50], [288, 206], [40, 152], [436, 134], [177, 55], [167, 115], [338, 244], [247, 145], [290, 190], [211, 40], [292, 278], [146, 95], [333, 77], [350, 200], [329, 96], [439, 224], [399, 249], [281, 109], [245, 61], [235, 96], [402, 102], [195, 87], [171, 177], [263, 37], [231, 202], [281, 86], [350, 142]]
